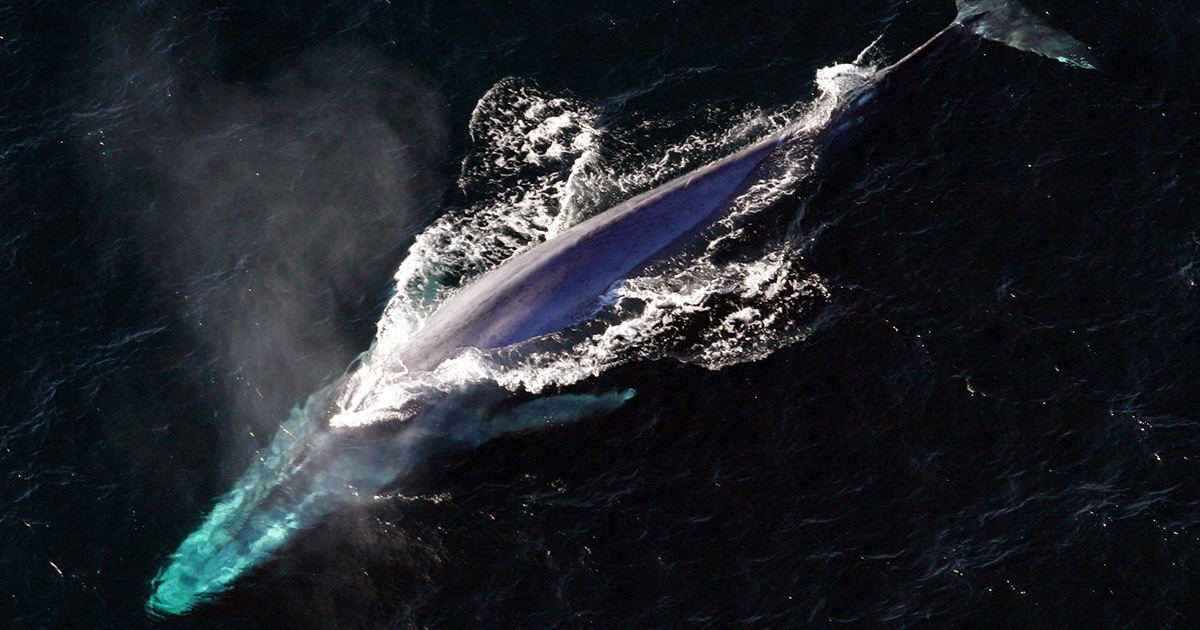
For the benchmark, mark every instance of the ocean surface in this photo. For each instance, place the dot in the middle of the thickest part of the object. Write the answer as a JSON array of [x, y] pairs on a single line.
[[952, 383]]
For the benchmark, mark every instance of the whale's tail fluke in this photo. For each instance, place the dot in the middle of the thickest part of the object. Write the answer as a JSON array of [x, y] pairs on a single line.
[[1008, 22]]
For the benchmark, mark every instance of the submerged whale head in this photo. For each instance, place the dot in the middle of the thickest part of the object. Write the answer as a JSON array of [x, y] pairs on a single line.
[[305, 473], [312, 468]]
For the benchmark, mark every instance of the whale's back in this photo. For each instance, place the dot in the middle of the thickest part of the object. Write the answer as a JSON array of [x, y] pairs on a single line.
[[549, 286]]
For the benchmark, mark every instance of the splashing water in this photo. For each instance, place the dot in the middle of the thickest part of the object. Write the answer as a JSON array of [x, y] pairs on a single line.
[[542, 163]]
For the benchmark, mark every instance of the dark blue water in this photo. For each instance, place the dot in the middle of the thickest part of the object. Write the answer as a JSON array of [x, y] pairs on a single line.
[[991, 421]]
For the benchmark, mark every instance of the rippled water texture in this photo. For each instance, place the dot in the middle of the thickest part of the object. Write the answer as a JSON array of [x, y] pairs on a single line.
[[950, 385]]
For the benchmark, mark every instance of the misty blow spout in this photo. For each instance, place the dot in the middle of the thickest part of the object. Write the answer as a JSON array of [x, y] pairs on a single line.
[[326, 456]]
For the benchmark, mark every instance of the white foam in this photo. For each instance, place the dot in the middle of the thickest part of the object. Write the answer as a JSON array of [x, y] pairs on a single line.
[[542, 164]]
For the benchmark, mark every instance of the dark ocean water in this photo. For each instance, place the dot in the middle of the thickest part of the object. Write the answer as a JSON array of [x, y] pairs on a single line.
[[990, 421]]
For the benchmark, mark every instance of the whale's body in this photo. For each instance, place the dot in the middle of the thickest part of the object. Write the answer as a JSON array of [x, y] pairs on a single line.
[[311, 469]]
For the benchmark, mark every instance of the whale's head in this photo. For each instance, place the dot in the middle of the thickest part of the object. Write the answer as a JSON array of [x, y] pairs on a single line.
[[305, 473], [318, 463]]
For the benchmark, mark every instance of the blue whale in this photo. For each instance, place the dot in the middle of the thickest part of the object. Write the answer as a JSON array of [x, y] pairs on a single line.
[[312, 467]]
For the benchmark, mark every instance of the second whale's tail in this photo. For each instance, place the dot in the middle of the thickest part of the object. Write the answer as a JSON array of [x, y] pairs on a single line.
[[1010, 23]]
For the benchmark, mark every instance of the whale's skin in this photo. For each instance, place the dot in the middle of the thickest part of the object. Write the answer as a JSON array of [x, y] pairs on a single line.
[[311, 468]]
